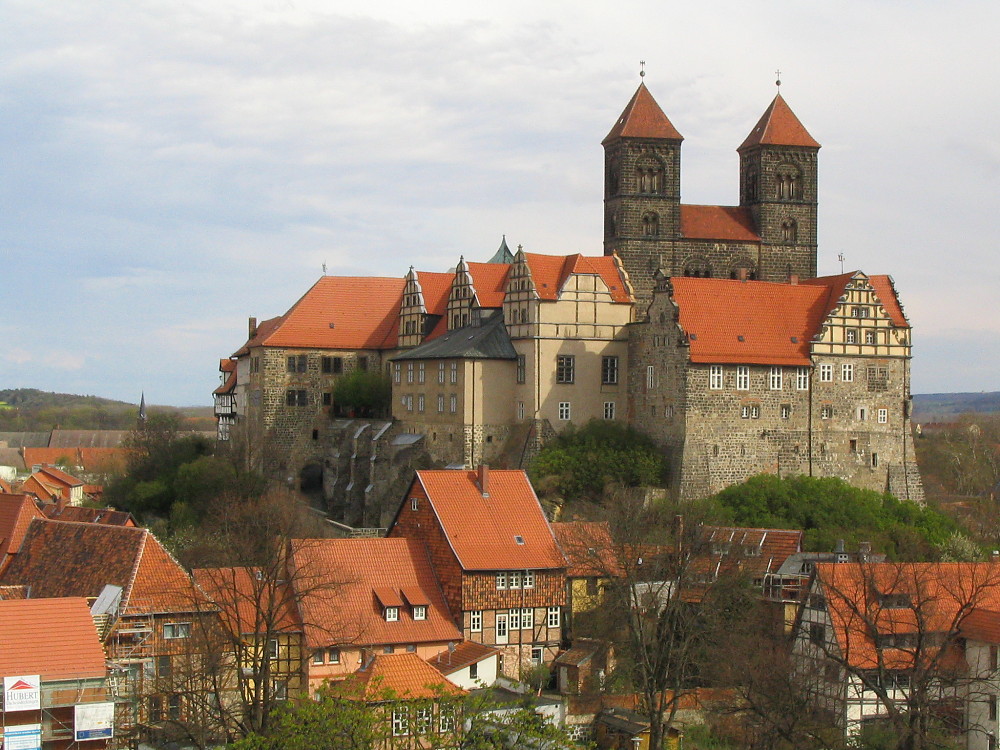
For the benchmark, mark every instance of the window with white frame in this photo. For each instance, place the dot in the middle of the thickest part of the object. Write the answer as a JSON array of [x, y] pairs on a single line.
[[862, 413], [514, 619], [419, 612], [441, 372], [391, 614], [553, 617], [514, 579], [775, 380], [446, 719], [754, 411], [871, 337], [743, 378], [786, 411], [522, 369], [536, 656], [847, 373], [851, 336], [826, 412], [423, 719], [400, 722], [420, 372], [715, 377], [520, 410], [802, 378], [609, 370], [476, 621], [454, 372], [397, 370], [440, 402], [564, 410], [501, 580], [826, 373], [333, 655], [409, 372], [318, 657], [527, 618], [609, 409], [453, 403], [883, 416], [529, 579], [409, 402], [650, 377], [420, 402]]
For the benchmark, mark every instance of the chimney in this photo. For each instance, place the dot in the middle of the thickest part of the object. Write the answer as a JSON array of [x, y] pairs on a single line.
[[252, 326], [995, 556], [484, 479], [793, 279], [864, 550], [742, 274]]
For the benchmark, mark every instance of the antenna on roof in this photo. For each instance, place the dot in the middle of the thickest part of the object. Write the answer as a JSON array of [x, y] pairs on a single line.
[[642, 69], [777, 83], [324, 268], [840, 257]]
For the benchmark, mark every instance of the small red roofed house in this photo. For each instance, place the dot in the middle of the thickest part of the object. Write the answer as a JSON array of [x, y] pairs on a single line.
[[56, 640], [503, 574], [16, 512], [50, 484], [469, 665], [360, 597]]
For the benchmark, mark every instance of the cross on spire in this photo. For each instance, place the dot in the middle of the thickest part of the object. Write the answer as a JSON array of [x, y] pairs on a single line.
[[642, 69], [777, 74]]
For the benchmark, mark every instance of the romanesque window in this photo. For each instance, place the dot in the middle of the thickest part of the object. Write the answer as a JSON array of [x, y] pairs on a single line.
[[565, 368], [611, 227], [750, 186], [609, 370], [698, 268], [789, 231], [649, 176], [743, 270], [650, 224], [715, 377], [788, 183], [743, 378]]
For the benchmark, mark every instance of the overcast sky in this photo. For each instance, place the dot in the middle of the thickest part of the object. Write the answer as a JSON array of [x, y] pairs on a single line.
[[170, 168]]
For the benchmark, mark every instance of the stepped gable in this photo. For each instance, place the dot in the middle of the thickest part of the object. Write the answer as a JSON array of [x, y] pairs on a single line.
[[643, 118], [53, 637], [550, 272], [779, 126], [342, 312], [885, 290], [734, 223]]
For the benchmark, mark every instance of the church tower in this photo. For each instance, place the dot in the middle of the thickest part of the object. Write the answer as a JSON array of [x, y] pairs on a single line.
[[778, 184], [642, 188]]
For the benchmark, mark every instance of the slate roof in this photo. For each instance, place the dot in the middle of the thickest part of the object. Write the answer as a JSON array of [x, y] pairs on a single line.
[[54, 638], [65, 558], [778, 126], [25, 439], [483, 531], [734, 223], [87, 438], [341, 312], [465, 653], [335, 585], [550, 272], [487, 341], [643, 118], [404, 676]]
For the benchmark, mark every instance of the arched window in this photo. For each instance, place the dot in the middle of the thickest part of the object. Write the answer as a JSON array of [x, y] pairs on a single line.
[[789, 231], [612, 227], [697, 267], [649, 175], [650, 224], [743, 269], [788, 182]]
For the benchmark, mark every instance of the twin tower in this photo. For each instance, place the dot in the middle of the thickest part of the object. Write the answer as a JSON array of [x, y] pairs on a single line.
[[769, 236]]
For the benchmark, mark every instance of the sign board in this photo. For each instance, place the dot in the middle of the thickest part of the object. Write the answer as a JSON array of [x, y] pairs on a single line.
[[23, 693], [93, 721], [24, 737]]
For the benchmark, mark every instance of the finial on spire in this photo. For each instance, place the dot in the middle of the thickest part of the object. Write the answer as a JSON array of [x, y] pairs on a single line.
[[324, 268], [840, 257], [642, 69], [777, 83]]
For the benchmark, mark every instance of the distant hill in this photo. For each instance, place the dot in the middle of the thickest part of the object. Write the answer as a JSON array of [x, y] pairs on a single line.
[[939, 407], [29, 409]]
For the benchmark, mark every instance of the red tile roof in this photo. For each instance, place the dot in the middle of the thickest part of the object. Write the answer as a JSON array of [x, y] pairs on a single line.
[[465, 653], [550, 272], [484, 531], [342, 312], [248, 604], [5, 487], [264, 329], [489, 281], [59, 476], [643, 118], [103, 460], [227, 387], [40, 456], [54, 638], [16, 512], [227, 365], [718, 223], [82, 514], [404, 676], [752, 551], [945, 594], [588, 548], [435, 288], [335, 585], [778, 126]]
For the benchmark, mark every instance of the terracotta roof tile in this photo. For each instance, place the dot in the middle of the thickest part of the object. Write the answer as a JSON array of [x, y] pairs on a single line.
[[54, 638], [550, 272], [401, 675], [336, 582], [103, 460], [752, 551], [778, 126], [40, 456], [435, 288], [227, 365], [465, 653], [228, 387], [490, 282], [82, 514], [643, 118], [718, 223], [588, 548], [484, 531], [342, 312], [264, 329], [59, 476], [248, 604], [16, 512], [5, 487]]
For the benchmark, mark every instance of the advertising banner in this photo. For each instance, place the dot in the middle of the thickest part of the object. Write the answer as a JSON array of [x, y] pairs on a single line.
[[22, 693], [94, 721], [24, 737]]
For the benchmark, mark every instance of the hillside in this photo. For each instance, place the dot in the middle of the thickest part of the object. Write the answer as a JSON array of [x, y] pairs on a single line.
[[29, 410], [941, 407]]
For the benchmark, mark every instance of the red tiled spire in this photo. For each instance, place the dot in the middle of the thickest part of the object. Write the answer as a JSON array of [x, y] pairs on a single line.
[[643, 118], [778, 126]]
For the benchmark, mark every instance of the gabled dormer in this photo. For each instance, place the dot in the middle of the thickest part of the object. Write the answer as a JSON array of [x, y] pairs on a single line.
[[521, 299], [866, 319]]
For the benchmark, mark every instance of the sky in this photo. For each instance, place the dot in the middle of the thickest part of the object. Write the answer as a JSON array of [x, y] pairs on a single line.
[[171, 168]]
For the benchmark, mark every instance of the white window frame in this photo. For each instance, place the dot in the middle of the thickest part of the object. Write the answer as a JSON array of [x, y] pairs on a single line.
[[392, 614], [776, 379], [514, 579], [553, 617], [802, 378], [454, 372], [409, 372], [609, 409], [513, 619], [862, 413], [786, 411], [871, 337], [420, 402], [333, 656], [715, 377], [529, 579], [400, 722], [423, 719], [420, 372], [851, 336], [847, 373], [883, 416], [501, 581], [419, 612], [520, 410], [527, 618], [743, 378], [826, 412], [441, 373], [565, 411], [476, 621], [826, 373], [446, 719], [537, 656], [397, 372], [440, 403], [453, 403], [650, 377]]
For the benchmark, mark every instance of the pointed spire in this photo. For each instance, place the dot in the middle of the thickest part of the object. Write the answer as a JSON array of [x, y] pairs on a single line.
[[503, 253], [142, 407], [643, 118], [778, 126]]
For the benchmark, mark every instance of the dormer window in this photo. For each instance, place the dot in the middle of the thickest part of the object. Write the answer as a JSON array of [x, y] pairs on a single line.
[[391, 614], [420, 612]]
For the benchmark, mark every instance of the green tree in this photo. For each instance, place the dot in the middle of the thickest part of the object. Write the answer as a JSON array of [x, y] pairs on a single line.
[[366, 393]]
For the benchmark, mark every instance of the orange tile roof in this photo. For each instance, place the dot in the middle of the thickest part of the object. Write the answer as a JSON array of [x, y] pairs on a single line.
[[54, 638], [752, 551], [643, 118], [59, 476], [945, 594], [46, 491], [588, 548], [5, 487], [484, 531], [335, 586], [100, 460], [264, 329], [16, 512], [227, 387], [435, 288], [490, 282], [227, 365], [885, 291], [404, 676], [81, 514], [718, 223], [778, 126], [550, 272], [248, 604], [342, 312], [41, 456], [465, 653], [440, 328]]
